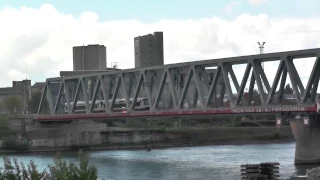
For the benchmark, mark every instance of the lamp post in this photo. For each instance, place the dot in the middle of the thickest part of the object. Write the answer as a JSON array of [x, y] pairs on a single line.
[[261, 47]]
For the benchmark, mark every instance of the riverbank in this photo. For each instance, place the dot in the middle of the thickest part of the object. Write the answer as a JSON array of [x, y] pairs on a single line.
[[164, 144], [145, 138]]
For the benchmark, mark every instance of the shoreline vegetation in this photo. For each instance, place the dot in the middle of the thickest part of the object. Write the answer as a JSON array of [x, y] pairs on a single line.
[[60, 169]]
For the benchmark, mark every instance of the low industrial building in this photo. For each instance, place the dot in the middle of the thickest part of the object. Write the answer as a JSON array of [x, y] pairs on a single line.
[[21, 89]]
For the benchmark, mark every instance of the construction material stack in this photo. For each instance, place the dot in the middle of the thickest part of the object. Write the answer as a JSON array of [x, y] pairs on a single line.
[[263, 171]]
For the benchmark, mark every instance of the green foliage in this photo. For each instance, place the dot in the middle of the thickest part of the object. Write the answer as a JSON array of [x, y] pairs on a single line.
[[12, 104], [59, 171], [62, 170], [15, 171], [4, 123], [35, 102], [288, 89], [163, 130], [10, 144], [277, 135], [2, 108]]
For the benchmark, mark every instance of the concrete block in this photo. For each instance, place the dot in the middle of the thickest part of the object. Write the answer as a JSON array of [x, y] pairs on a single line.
[[299, 178], [313, 174]]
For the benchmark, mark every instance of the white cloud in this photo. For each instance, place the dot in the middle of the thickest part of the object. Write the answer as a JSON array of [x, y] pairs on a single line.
[[256, 2], [16, 75], [41, 40], [231, 5]]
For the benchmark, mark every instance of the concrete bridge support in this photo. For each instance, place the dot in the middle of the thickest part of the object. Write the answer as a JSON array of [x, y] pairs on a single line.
[[307, 140]]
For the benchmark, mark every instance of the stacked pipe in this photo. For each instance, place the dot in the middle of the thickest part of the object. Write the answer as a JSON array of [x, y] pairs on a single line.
[[265, 171]]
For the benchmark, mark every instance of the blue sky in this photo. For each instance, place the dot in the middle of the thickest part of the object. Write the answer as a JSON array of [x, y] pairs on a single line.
[[155, 10]]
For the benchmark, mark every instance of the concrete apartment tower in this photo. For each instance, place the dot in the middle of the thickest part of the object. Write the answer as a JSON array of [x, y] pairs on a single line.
[[148, 50], [91, 57]]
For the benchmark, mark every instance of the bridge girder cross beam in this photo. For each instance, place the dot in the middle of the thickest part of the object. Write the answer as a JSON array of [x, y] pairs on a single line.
[[183, 85]]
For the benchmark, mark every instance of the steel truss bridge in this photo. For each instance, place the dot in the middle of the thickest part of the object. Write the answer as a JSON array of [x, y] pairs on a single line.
[[207, 87]]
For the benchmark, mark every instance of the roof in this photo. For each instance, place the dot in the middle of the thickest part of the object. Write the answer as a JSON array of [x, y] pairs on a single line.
[[39, 84], [72, 73], [10, 90]]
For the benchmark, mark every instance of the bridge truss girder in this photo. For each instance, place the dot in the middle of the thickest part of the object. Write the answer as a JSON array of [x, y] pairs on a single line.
[[188, 85]]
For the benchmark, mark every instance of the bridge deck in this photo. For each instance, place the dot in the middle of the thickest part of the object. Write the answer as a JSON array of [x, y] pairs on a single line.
[[207, 112]]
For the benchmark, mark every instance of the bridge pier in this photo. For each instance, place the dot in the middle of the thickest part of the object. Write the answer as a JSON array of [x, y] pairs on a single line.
[[307, 141]]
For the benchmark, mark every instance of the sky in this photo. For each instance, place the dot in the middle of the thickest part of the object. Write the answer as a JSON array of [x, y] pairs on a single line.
[[36, 37]]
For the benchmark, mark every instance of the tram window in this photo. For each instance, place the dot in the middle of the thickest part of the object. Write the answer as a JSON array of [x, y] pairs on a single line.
[[120, 105], [145, 101], [138, 103], [80, 108]]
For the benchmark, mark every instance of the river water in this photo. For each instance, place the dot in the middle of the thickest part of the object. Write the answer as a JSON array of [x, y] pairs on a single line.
[[207, 162]]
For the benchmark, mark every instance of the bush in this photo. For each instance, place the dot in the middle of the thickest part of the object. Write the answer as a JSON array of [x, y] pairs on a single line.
[[60, 170], [15, 145], [277, 135], [4, 123], [20, 172], [163, 130], [12, 104]]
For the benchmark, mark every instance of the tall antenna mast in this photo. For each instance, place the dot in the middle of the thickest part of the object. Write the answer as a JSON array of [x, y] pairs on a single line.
[[83, 56]]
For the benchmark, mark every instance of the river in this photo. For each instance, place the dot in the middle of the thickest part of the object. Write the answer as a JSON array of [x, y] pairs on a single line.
[[206, 162]]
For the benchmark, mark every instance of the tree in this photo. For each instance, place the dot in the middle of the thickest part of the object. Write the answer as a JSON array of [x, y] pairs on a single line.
[[2, 108], [288, 89], [256, 97], [12, 104], [255, 92], [35, 102], [4, 123]]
